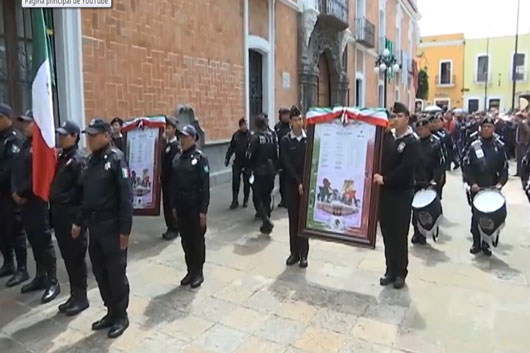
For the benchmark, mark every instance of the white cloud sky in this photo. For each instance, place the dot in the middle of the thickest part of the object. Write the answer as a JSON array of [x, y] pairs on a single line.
[[474, 18]]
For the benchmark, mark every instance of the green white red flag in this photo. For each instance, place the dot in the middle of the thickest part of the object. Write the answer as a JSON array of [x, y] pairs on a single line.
[[44, 154], [374, 116]]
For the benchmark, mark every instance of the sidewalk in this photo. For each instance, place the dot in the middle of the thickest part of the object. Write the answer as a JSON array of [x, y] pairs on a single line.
[[251, 303]]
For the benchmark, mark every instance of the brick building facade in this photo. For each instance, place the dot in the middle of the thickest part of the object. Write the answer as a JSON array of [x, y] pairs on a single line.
[[226, 59]]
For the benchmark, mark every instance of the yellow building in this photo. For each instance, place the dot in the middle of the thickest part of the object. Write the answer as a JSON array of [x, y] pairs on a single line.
[[442, 56]]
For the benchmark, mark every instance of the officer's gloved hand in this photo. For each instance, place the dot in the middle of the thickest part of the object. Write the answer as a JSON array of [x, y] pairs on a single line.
[[227, 162]]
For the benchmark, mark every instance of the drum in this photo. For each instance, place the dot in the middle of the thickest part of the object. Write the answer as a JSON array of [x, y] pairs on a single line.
[[427, 209], [489, 206]]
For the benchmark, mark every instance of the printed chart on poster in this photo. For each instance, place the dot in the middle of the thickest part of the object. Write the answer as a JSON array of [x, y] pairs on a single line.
[[340, 180], [141, 151]]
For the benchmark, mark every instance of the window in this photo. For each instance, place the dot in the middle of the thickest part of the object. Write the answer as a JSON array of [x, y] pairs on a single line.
[[519, 63], [382, 29], [472, 105], [494, 103], [482, 68], [359, 7], [359, 93], [445, 73], [443, 103]]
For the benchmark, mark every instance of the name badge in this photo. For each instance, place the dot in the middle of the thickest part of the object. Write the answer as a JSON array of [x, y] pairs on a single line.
[[193, 161], [168, 148], [480, 153]]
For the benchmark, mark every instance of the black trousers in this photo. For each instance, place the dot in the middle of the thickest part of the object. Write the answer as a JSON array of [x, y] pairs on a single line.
[[36, 221], [109, 264], [283, 186], [520, 151], [299, 246], [171, 222], [192, 238], [394, 218], [262, 189], [237, 172], [73, 251], [440, 186], [12, 236]]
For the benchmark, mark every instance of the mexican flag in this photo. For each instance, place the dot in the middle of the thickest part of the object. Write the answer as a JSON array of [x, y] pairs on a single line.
[[44, 154]]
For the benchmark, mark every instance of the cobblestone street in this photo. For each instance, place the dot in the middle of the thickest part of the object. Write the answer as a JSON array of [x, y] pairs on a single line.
[[251, 303]]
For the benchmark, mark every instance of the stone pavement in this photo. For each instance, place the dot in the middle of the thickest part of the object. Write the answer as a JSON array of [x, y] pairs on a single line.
[[251, 303]]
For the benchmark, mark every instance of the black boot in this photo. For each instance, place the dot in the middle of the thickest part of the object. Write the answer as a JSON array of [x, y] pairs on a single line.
[[7, 269], [386, 280], [170, 235], [186, 280], [234, 205], [475, 249], [78, 304], [303, 262], [103, 323], [267, 227], [245, 202], [53, 289], [21, 275], [197, 279], [38, 283], [399, 282], [62, 307], [292, 260], [118, 327]]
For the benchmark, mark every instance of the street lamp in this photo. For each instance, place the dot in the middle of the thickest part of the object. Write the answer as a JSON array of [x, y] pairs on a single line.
[[384, 63]]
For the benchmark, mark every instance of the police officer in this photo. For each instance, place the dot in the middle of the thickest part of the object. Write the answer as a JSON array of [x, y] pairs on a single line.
[[437, 129], [282, 128], [294, 146], [429, 169], [262, 157], [485, 165], [191, 196], [65, 203], [117, 137], [170, 151], [12, 236], [107, 209], [400, 154], [35, 218], [238, 147]]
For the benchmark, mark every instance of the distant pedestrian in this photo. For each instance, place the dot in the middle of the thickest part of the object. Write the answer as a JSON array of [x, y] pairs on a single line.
[[282, 128], [117, 137], [238, 147]]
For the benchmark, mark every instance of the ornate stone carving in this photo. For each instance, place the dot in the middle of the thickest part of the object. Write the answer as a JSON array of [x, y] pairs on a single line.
[[309, 19], [185, 114]]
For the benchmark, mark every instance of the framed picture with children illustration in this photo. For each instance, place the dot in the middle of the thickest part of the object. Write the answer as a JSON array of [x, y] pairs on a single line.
[[340, 200], [143, 138]]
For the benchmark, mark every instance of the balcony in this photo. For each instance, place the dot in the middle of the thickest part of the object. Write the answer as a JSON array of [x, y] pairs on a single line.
[[334, 13], [365, 32], [446, 82]]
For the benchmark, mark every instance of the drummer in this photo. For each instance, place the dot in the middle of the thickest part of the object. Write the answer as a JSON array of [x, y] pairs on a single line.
[[485, 166], [429, 169]]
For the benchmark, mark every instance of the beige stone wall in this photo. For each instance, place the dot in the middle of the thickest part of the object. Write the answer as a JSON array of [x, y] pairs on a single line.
[[258, 17]]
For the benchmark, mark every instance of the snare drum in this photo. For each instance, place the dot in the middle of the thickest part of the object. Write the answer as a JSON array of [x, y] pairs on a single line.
[[489, 206], [427, 209]]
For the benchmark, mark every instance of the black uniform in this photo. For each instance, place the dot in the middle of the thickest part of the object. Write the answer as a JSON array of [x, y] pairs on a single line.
[[65, 201], [12, 236], [35, 218], [429, 169], [282, 129], [118, 142], [293, 158], [107, 209], [170, 151], [191, 197], [400, 155], [262, 157], [238, 146], [486, 165], [448, 155]]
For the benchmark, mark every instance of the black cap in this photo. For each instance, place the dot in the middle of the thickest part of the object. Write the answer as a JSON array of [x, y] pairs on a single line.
[[116, 120], [189, 130], [284, 111], [6, 110], [172, 121], [68, 128], [400, 108], [422, 122], [97, 126], [26, 117], [433, 117], [488, 120]]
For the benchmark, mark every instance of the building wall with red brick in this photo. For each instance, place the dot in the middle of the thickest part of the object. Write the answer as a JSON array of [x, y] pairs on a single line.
[[286, 56], [145, 57]]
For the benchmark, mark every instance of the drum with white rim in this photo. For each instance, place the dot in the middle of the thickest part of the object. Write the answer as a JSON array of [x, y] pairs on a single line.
[[489, 206], [427, 209]]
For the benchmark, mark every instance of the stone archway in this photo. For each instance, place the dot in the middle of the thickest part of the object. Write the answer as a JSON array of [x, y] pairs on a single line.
[[324, 47]]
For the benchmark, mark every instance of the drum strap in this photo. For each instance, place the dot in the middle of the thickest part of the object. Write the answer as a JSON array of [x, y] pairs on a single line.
[[493, 239]]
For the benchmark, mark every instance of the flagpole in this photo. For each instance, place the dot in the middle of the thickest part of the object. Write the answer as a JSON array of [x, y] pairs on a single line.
[[514, 79]]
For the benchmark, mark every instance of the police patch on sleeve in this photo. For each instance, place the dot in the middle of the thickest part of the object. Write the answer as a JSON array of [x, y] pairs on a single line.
[[124, 173], [401, 147], [206, 169], [15, 149]]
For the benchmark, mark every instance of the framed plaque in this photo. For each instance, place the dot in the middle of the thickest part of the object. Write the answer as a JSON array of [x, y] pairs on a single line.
[[340, 200], [143, 141]]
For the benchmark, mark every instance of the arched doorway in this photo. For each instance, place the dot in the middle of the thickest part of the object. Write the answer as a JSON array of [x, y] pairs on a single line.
[[323, 87], [255, 85]]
